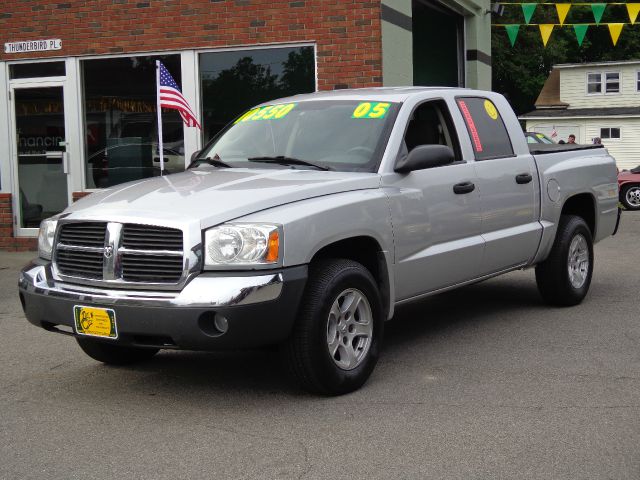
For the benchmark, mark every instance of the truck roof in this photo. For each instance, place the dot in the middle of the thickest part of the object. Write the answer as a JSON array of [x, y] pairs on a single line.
[[386, 94]]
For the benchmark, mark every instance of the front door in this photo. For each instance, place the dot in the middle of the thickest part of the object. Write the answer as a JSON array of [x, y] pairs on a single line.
[[435, 212], [40, 159]]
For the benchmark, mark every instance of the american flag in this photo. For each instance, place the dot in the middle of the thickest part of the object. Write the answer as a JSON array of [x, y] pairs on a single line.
[[171, 97], [554, 133]]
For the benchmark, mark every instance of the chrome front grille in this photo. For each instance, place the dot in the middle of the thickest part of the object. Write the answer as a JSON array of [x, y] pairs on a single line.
[[145, 237], [78, 263], [89, 234], [120, 253], [150, 268]]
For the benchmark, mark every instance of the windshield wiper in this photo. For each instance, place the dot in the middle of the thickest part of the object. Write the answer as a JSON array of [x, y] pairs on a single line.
[[282, 160], [215, 161]]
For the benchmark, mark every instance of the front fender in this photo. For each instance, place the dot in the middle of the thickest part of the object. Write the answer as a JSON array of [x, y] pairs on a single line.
[[312, 224]]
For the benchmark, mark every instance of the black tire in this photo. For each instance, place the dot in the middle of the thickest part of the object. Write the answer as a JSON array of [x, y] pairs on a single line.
[[307, 350], [625, 192], [552, 275], [112, 354]]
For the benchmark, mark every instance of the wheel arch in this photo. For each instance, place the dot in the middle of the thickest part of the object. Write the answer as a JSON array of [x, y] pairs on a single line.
[[626, 183], [368, 252], [582, 205]]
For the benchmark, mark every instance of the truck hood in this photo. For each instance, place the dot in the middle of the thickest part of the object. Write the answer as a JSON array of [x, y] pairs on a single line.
[[212, 196]]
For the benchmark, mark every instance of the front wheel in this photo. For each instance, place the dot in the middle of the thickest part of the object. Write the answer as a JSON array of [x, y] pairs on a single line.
[[112, 354], [630, 197], [565, 276], [336, 341]]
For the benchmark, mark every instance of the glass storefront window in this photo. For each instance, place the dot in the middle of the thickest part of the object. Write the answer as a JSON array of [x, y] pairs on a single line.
[[121, 123], [233, 81]]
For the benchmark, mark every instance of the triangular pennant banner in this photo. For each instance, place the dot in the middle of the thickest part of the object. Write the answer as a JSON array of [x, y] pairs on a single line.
[[527, 10], [633, 9], [581, 31], [545, 32], [563, 10], [598, 11], [512, 31], [614, 30]]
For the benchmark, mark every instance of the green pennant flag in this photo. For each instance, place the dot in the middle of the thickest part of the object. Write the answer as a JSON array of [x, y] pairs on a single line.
[[598, 11], [527, 10], [581, 31], [512, 31]]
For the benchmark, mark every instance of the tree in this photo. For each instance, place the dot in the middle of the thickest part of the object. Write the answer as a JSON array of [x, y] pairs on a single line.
[[519, 72]]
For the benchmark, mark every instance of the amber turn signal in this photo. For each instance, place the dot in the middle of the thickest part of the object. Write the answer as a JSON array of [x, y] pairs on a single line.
[[273, 247]]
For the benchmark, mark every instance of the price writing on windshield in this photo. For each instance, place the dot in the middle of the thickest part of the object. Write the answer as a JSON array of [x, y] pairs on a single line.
[[270, 112], [371, 110]]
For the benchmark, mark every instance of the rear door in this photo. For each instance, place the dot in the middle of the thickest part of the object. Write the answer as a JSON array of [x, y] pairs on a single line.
[[508, 188]]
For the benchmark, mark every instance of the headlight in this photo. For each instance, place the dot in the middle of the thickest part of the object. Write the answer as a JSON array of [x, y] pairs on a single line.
[[242, 245], [46, 236]]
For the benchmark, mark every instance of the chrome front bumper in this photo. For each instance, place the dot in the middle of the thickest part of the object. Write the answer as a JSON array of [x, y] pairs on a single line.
[[204, 291], [260, 308]]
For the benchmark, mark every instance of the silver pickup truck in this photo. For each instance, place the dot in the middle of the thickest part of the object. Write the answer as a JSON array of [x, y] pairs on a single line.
[[308, 219]]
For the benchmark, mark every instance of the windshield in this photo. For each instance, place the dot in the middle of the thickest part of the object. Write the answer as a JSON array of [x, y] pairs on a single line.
[[539, 138], [341, 135]]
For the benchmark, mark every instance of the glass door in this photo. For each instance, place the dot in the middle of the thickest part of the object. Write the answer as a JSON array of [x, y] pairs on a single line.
[[40, 164]]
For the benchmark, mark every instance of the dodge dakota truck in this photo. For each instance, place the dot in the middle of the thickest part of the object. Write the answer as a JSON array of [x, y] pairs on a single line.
[[307, 220]]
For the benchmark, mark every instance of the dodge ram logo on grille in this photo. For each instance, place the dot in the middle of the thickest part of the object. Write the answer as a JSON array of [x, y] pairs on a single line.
[[108, 251]]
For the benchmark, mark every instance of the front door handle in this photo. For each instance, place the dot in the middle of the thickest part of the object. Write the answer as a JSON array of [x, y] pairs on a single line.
[[523, 178], [464, 187]]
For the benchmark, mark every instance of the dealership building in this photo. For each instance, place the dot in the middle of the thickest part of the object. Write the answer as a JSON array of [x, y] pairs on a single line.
[[78, 79]]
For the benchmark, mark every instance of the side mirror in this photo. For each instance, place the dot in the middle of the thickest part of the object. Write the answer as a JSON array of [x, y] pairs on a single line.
[[425, 156]]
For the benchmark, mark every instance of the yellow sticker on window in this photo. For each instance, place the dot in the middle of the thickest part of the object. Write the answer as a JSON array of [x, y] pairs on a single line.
[[270, 112], [371, 110], [491, 109]]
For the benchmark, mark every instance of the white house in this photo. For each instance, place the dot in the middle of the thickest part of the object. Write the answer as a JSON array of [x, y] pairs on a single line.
[[592, 100]]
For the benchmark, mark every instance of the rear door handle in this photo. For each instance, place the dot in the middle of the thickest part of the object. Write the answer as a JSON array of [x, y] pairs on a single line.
[[464, 187], [523, 178]]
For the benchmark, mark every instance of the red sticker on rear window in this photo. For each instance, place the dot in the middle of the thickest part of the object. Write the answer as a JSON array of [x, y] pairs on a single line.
[[473, 131]]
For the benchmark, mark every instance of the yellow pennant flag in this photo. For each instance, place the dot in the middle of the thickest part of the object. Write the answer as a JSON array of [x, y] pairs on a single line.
[[563, 10], [615, 29], [545, 32], [633, 9]]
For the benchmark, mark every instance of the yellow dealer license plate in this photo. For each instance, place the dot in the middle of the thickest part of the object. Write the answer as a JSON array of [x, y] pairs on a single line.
[[97, 322]]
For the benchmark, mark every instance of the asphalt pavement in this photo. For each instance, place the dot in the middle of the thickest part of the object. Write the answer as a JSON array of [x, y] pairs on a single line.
[[485, 382]]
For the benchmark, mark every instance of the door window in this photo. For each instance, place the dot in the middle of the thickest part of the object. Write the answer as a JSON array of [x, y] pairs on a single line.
[[37, 69], [488, 134], [431, 124], [40, 134]]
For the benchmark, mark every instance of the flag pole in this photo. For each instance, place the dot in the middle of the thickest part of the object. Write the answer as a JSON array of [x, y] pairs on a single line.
[[159, 108]]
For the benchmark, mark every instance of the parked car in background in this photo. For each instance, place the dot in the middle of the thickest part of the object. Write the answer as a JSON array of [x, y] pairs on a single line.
[[629, 183], [536, 137], [129, 161]]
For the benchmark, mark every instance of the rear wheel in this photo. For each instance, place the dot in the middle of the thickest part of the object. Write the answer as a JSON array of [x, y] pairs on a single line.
[[630, 197], [336, 341], [112, 354], [565, 276]]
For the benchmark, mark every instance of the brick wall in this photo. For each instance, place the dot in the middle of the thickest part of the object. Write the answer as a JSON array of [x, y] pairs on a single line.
[[7, 241], [78, 195], [347, 32]]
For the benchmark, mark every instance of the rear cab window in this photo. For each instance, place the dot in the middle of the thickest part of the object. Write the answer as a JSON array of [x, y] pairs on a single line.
[[486, 129]]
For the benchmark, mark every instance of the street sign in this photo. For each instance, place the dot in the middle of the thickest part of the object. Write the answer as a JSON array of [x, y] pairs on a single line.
[[33, 46]]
